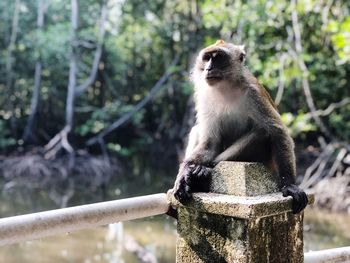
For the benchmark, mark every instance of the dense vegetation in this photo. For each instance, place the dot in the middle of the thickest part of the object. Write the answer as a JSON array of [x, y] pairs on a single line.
[[112, 75]]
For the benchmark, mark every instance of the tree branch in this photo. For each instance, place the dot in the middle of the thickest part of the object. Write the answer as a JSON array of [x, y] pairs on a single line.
[[123, 119], [280, 90], [297, 54], [101, 33], [331, 107]]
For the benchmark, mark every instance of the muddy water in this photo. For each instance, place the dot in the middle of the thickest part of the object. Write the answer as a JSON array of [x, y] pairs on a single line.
[[157, 234], [323, 230], [102, 244]]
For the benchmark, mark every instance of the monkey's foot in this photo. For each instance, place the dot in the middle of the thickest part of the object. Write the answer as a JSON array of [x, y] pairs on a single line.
[[300, 199], [195, 178]]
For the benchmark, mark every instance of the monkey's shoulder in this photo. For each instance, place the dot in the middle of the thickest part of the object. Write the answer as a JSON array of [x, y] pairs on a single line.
[[259, 94]]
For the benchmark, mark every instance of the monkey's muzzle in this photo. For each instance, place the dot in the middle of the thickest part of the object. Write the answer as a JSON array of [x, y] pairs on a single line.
[[213, 75]]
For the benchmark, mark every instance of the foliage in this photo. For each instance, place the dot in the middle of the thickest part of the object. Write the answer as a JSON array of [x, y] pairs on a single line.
[[341, 38], [141, 41], [6, 140]]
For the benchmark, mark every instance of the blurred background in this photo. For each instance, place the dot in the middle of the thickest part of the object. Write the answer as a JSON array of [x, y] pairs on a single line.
[[96, 105]]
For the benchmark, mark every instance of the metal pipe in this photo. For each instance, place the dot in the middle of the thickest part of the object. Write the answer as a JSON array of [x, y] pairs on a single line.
[[339, 255], [32, 226]]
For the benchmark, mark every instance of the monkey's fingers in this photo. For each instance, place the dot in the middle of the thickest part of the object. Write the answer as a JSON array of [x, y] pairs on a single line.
[[205, 172], [183, 192], [300, 199], [195, 169], [198, 177], [198, 171]]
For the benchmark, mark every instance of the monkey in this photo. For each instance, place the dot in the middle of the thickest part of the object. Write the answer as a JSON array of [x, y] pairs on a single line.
[[236, 120]]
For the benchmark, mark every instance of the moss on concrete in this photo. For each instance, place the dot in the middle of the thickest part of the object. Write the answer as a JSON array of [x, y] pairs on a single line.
[[206, 238], [253, 226]]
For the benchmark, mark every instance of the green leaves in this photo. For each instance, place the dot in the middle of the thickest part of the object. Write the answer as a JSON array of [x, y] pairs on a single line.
[[341, 38], [6, 139], [299, 124], [140, 42]]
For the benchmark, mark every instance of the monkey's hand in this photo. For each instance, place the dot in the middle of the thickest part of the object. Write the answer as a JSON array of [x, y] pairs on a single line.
[[191, 178], [300, 199]]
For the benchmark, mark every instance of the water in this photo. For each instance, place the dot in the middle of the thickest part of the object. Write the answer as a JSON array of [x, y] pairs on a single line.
[[157, 234], [324, 230], [97, 245]]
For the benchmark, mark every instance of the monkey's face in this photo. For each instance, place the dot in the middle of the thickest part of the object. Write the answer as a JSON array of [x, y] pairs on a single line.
[[219, 62]]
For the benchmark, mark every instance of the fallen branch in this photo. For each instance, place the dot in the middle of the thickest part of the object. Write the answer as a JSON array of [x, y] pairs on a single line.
[[340, 156], [56, 143], [326, 153], [330, 168]]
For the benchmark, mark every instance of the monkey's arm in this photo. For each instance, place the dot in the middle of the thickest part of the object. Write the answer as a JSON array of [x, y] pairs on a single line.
[[192, 142], [282, 148], [194, 175], [284, 158]]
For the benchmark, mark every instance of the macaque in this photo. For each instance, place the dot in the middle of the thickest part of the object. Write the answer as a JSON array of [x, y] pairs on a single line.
[[236, 120]]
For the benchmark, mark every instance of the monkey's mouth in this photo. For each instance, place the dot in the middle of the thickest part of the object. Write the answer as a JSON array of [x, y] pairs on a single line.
[[213, 76]]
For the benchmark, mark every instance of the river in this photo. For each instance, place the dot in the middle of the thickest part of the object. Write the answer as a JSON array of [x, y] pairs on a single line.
[[157, 235]]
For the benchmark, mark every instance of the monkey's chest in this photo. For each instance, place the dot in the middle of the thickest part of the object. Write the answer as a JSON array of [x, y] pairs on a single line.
[[233, 127]]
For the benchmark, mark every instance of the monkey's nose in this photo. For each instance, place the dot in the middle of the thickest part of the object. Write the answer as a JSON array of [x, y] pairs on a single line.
[[209, 68]]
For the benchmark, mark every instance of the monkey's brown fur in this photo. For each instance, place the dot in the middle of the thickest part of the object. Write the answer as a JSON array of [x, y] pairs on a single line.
[[236, 121]]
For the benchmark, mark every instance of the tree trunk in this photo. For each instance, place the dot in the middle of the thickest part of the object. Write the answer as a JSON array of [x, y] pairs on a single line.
[[98, 53], [60, 140], [9, 67], [28, 134], [71, 83], [72, 67]]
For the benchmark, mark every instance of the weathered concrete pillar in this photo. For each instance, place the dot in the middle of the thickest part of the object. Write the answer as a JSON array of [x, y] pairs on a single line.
[[243, 219]]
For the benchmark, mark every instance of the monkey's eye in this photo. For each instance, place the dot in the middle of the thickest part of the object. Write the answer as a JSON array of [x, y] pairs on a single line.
[[241, 57], [206, 57]]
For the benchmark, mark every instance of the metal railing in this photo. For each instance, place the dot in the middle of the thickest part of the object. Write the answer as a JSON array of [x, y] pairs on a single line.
[[32, 226], [38, 225], [335, 255]]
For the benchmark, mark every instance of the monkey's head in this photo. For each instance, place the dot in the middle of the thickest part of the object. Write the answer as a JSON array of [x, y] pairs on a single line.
[[219, 62]]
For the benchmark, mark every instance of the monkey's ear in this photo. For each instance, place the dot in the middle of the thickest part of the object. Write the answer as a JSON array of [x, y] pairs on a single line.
[[243, 54], [242, 48]]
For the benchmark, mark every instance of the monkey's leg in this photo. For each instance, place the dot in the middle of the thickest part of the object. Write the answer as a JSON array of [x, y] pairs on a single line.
[[282, 147], [233, 152]]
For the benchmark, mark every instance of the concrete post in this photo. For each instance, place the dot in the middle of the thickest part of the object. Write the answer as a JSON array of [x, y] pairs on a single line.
[[243, 219]]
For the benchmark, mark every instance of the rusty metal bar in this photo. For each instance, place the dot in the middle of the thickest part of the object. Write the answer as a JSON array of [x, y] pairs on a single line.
[[32, 226]]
